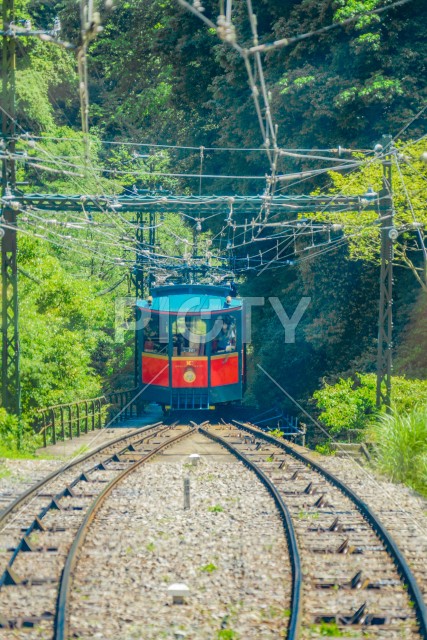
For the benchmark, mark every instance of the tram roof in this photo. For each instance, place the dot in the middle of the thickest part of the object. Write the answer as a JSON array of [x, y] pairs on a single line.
[[190, 298]]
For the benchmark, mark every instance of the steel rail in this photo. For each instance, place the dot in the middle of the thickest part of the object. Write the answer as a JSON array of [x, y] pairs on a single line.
[[64, 492], [21, 499], [369, 515], [61, 631], [296, 600]]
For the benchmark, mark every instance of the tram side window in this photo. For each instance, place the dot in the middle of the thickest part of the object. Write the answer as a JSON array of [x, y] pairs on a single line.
[[224, 340], [152, 343], [189, 336]]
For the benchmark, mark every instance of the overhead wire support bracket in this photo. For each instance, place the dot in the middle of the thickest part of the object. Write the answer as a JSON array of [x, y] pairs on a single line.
[[191, 203]]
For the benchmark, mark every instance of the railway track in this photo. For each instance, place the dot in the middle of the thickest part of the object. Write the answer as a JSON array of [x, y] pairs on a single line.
[[346, 575], [67, 471], [39, 528], [230, 548], [293, 626], [402, 515], [24, 478], [355, 579]]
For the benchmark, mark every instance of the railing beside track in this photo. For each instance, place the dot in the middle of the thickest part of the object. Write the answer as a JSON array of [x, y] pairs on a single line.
[[66, 421]]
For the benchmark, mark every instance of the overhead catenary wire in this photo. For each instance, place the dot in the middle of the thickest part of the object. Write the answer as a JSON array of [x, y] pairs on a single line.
[[328, 245], [48, 154], [125, 220], [115, 243], [206, 148], [50, 241], [199, 176], [226, 32], [420, 235], [233, 232], [119, 262], [411, 121], [286, 42]]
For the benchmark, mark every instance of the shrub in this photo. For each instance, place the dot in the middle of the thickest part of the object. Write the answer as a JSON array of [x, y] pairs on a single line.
[[351, 402], [276, 433], [9, 430], [16, 439], [348, 404], [401, 447]]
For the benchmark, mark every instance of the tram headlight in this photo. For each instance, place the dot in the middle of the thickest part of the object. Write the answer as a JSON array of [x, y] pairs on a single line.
[[189, 375]]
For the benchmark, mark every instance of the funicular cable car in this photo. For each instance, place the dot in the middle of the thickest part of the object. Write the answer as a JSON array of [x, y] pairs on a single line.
[[191, 346]]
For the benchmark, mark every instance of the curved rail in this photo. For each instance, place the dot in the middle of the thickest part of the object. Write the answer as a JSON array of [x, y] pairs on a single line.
[[392, 548], [61, 620], [294, 620], [35, 488], [135, 438]]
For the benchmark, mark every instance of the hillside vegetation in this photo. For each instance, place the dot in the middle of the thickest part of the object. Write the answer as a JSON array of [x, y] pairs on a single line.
[[158, 75]]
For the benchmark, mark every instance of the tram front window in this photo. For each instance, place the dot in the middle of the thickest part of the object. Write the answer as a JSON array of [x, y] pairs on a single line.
[[152, 342], [189, 336], [225, 336]]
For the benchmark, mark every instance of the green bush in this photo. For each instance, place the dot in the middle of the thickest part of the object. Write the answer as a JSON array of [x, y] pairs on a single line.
[[17, 439], [401, 447], [348, 404], [9, 430], [400, 438], [351, 402], [325, 449]]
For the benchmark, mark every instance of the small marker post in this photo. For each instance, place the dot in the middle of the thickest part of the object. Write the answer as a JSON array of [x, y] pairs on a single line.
[[194, 458], [186, 492], [179, 592]]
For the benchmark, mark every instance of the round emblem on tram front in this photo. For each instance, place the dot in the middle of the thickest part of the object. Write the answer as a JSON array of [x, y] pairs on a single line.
[[189, 375]]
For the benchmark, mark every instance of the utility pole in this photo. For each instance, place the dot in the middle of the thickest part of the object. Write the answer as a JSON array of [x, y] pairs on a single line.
[[11, 386], [138, 280], [11, 389], [385, 321], [152, 245]]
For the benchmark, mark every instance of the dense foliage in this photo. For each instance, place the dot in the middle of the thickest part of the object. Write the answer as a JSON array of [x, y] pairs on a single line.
[[351, 402], [158, 75], [401, 447]]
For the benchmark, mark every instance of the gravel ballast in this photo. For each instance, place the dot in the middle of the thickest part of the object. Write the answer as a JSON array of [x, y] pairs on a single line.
[[229, 548]]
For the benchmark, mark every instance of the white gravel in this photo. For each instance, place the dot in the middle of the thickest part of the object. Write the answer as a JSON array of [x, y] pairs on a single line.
[[229, 548], [16, 476]]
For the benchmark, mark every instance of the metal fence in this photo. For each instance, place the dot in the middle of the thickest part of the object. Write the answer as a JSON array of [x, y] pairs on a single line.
[[66, 421]]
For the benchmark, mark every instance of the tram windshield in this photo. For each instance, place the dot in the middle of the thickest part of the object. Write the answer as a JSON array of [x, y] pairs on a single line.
[[189, 336], [156, 335], [224, 335]]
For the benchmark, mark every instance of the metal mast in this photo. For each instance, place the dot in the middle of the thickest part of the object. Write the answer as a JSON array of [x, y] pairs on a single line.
[[11, 390], [138, 281], [152, 243], [385, 320]]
